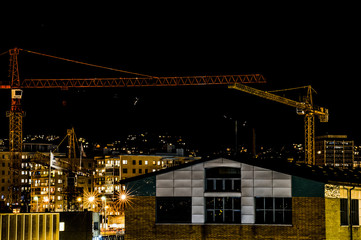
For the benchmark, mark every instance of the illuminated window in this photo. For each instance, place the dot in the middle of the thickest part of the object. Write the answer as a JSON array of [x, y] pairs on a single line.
[[61, 226], [146, 162], [125, 162]]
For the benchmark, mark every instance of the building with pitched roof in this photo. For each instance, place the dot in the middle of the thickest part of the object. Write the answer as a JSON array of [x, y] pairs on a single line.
[[225, 198]]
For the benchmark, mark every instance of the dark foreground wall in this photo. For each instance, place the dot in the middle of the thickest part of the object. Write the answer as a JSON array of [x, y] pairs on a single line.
[[78, 226]]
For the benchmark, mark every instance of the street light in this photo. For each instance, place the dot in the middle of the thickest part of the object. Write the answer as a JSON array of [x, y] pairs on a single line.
[[37, 200], [79, 199]]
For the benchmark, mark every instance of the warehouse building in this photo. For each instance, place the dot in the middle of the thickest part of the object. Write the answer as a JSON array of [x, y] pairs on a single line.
[[243, 199]]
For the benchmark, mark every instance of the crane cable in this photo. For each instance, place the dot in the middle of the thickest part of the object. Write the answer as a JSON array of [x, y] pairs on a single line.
[[87, 64]]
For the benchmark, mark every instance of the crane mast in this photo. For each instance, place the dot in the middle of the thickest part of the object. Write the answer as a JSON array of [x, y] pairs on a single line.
[[305, 108]]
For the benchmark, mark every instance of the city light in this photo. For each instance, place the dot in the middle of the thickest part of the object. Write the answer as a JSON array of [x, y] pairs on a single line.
[[124, 199], [90, 199]]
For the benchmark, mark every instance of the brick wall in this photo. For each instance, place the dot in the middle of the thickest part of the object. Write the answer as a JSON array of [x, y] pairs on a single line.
[[334, 230], [308, 223]]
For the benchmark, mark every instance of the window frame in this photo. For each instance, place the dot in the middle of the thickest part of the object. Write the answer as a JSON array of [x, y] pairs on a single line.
[[181, 215], [221, 209], [354, 212], [216, 181], [269, 210]]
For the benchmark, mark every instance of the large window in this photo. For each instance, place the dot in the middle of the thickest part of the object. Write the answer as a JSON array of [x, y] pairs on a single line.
[[273, 210], [174, 209], [354, 211], [223, 209], [223, 179]]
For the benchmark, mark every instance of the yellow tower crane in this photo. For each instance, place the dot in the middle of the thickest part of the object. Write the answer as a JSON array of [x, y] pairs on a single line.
[[305, 108]]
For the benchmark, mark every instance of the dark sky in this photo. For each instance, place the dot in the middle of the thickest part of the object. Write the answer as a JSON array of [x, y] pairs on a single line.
[[291, 45]]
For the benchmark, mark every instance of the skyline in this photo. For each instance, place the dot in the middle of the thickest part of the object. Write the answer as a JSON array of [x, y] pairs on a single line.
[[311, 52]]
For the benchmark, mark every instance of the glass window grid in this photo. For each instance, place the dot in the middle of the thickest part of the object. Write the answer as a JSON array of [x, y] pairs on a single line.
[[354, 211], [223, 209], [273, 210], [223, 184]]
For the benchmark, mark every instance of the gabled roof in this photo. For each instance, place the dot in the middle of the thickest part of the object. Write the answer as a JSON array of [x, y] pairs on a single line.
[[324, 174]]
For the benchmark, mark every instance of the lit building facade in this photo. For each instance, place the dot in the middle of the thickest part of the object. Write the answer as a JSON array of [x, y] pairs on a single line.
[[40, 201], [334, 150]]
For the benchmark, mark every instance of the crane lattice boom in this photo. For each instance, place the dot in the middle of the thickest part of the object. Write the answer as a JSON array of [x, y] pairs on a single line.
[[303, 108]]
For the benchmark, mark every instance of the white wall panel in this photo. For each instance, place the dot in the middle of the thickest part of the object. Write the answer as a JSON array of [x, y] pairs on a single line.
[[263, 174], [182, 174], [263, 183], [282, 183], [248, 210], [278, 175], [248, 219], [247, 183], [197, 175], [182, 192], [263, 192], [197, 183], [183, 183], [164, 184], [164, 192], [198, 219], [247, 175], [282, 192], [247, 192], [165, 176]]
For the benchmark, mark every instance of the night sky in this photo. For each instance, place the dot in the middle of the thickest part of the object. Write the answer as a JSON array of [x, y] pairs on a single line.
[[290, 45]]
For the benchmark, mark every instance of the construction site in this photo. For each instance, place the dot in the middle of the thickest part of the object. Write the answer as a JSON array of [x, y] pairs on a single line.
[[61, 178]]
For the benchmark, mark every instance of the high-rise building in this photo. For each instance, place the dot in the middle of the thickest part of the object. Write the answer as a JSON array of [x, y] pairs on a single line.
[[334, 150]]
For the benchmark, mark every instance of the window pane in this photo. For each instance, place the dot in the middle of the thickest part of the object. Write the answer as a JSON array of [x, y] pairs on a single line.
[[228, 216], [354, 212], [228, 203], [259, 216], [343, 211], [237, 185], [287, 203], [237, 203], [219, 185], [228, 185], [278, 216], [288, 217], [259, 203], [268, 203], [210, 203], [268, 216], [223, 172], [174, 209], [218, 216], [278, 203], [210, 185], [219, 203], [237, 216], [210, 216]]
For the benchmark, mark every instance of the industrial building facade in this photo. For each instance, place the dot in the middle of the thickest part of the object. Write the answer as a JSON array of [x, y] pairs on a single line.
[[230, 199]]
